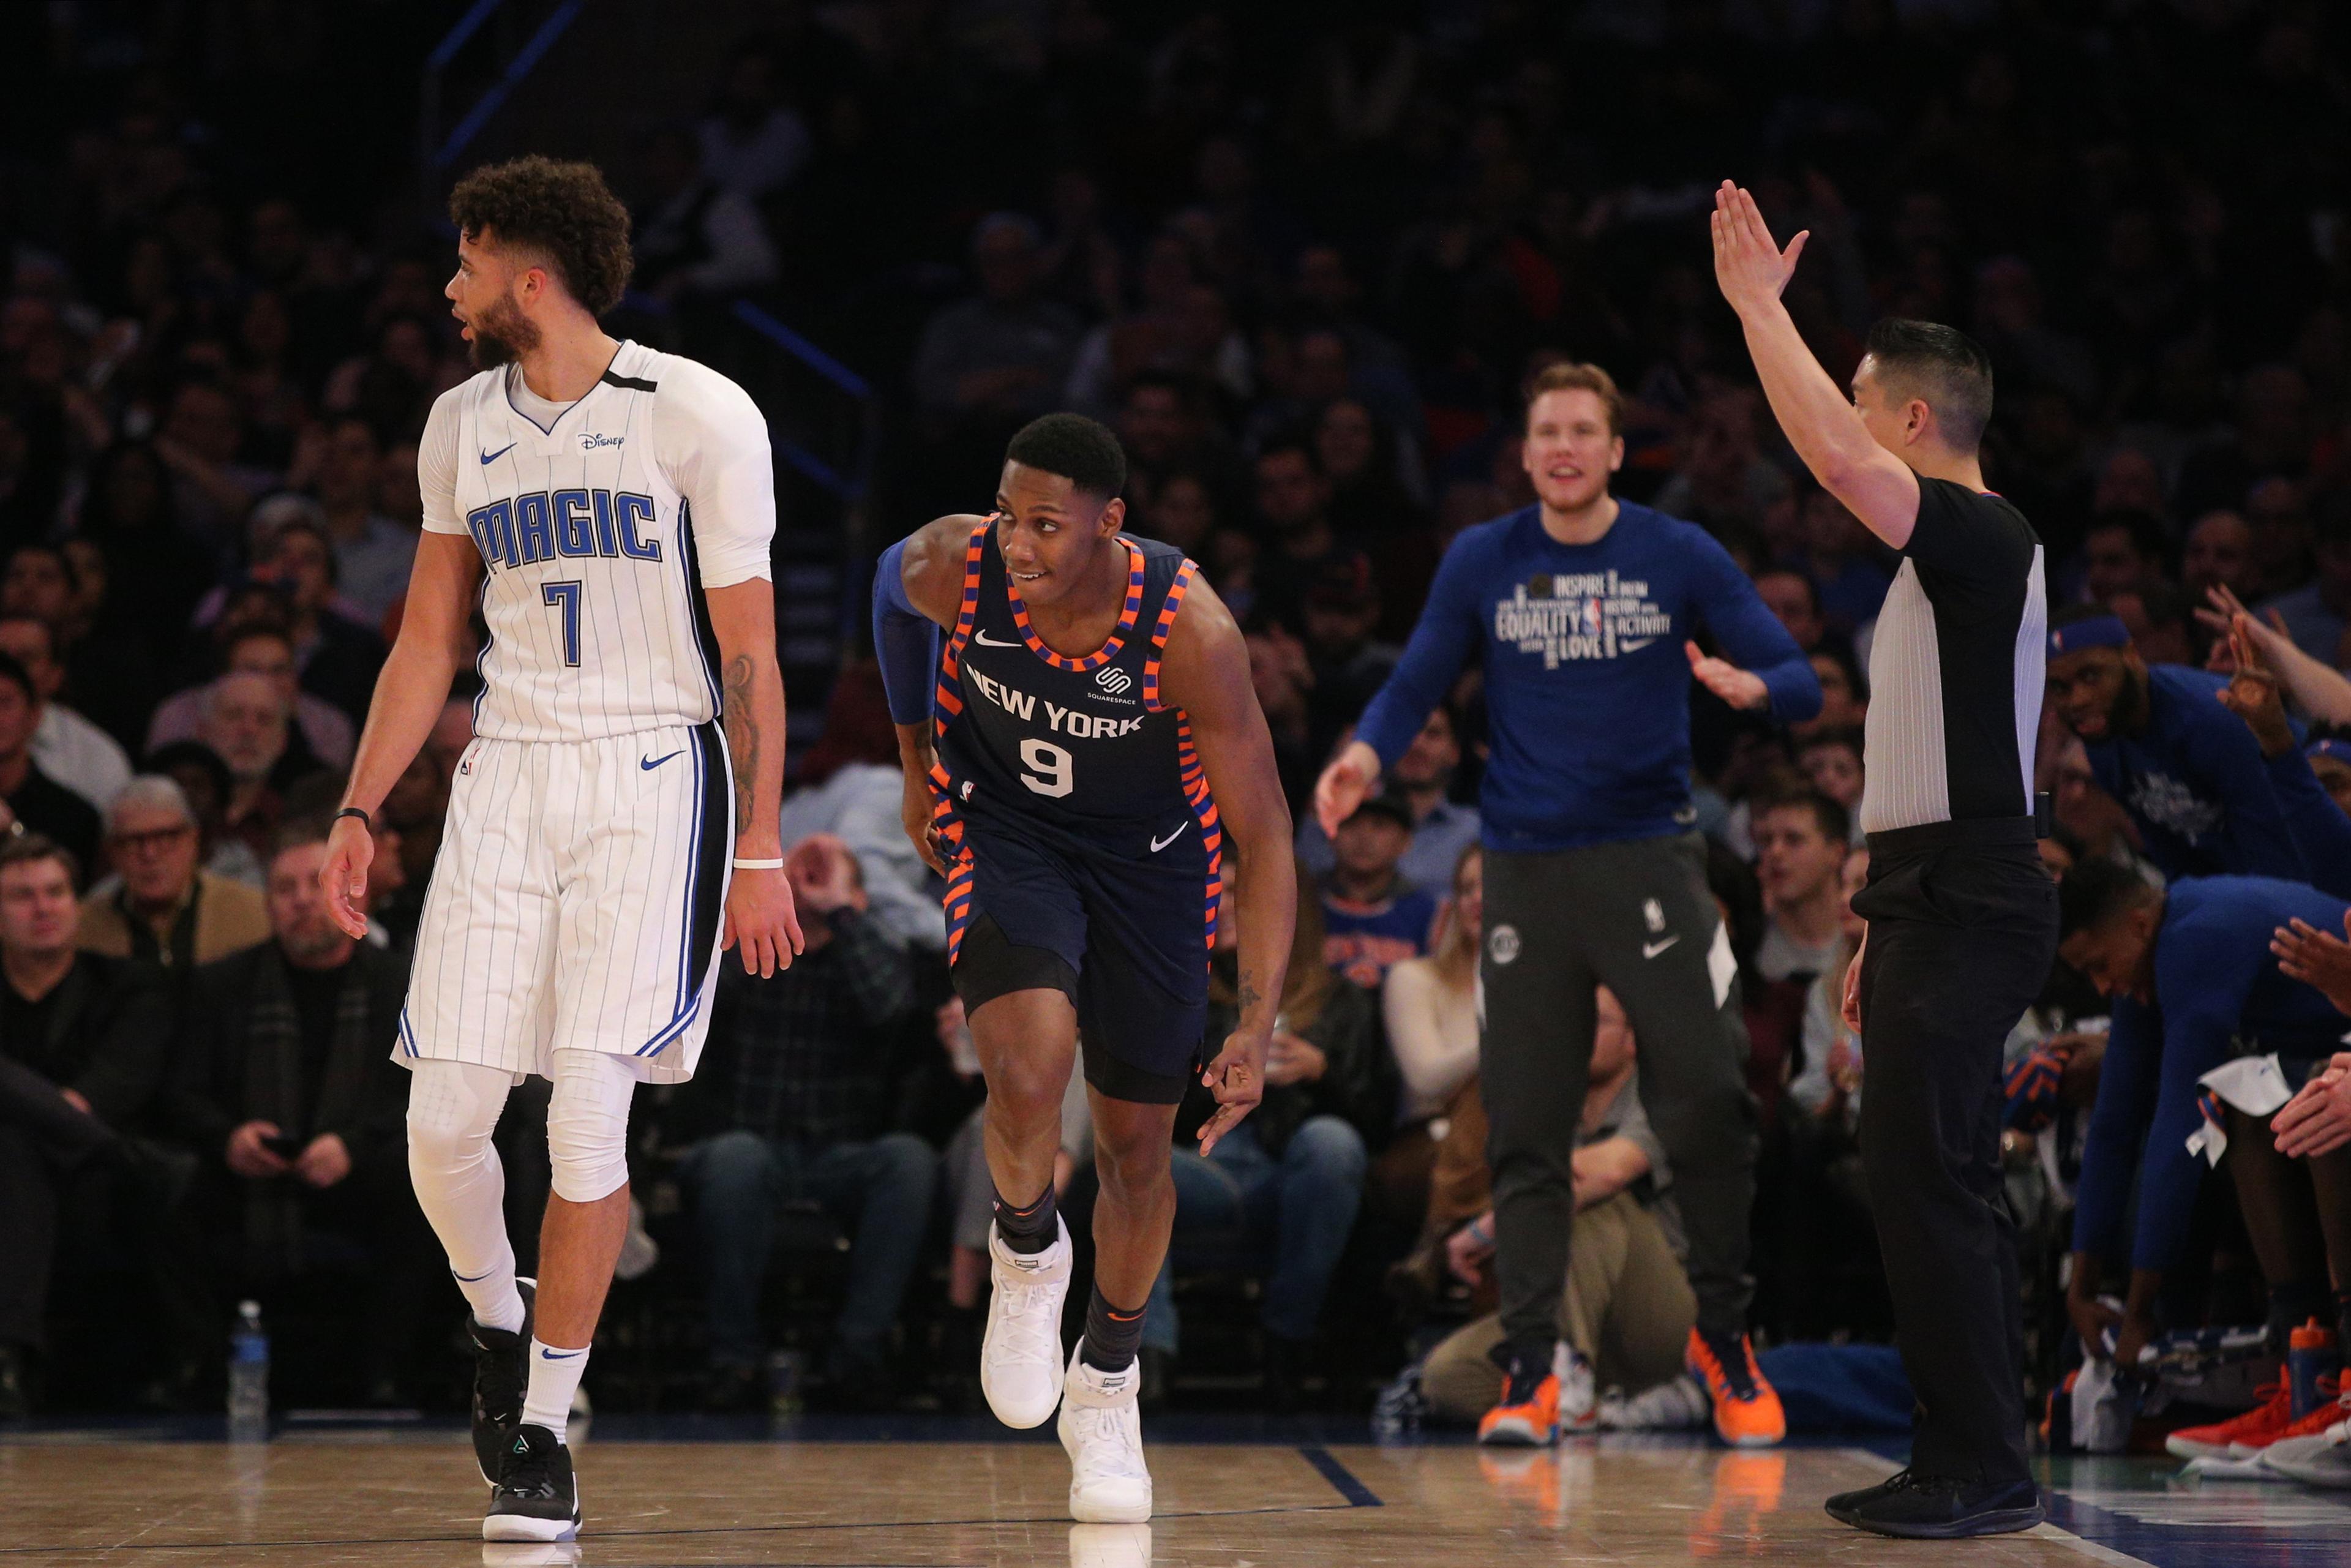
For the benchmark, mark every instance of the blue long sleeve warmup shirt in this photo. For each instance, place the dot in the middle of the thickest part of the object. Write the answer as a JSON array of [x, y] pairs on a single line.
[[2195, 783], [2217, 986], [1587, 688]]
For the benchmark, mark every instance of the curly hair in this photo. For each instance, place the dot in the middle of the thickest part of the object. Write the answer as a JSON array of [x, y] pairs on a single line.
[[563, 211]]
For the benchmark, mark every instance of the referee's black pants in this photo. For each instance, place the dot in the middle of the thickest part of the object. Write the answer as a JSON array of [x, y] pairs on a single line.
[[1636, 918], [1962, 930]]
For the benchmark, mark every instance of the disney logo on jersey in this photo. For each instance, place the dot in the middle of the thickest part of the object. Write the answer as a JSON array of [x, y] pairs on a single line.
[[1580, 615], [520, 530], [590, 441], [1023, 706]]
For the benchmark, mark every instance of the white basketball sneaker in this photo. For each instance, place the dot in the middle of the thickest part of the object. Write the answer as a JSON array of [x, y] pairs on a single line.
[[2320, 1460], [1020, 1357], [1102, 1427], [1579, 1401]]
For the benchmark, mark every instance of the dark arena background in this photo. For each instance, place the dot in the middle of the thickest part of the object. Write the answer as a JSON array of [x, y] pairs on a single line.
[[1302, 258]]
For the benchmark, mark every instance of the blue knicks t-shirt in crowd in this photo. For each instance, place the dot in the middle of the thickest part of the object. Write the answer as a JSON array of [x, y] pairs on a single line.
[[1365, 941], [2195, 783], [1587, 688]]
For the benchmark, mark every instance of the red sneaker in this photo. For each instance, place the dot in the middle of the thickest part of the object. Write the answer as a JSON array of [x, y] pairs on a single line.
[[2256, 1429]]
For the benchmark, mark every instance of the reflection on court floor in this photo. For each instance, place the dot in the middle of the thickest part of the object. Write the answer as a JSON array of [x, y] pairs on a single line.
[[409, 1499]]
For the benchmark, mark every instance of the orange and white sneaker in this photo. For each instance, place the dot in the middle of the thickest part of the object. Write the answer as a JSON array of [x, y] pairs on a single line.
[[1528, 1414], [2241, 1436], [1747, 1412]]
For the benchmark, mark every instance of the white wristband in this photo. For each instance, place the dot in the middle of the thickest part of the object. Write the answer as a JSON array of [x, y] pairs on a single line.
[[742, 864]]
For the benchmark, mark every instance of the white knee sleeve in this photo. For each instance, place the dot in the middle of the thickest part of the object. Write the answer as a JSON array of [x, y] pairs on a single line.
[[453, 1108], [588, 1124]]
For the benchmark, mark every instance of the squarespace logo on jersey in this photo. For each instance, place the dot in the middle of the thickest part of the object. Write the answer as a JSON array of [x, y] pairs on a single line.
[[545, 525], [1580, 615]]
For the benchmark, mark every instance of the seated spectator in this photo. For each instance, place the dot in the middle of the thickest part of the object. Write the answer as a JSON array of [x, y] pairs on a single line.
[[37, 800], [1628, 1306], [1341, 612], [852, 787], [2183, 765], [1283, 680], [1843, 558], [1001, 356], [811, 1099], [282, 1079], [2316, 613], [1423, 780], [247, 723], [2218, 553], [1828, 1248], [1430, 1008], [1789, 596], [1294, 501], [1800, 846], [261, 648], [372, 553], [1280, 1192], [338, 657], [1844, 697], [205, 781], [109, 675], [2122, 553], [66, 746], [2191, 972], [1373, 918], [82, 1042], [161, 907]]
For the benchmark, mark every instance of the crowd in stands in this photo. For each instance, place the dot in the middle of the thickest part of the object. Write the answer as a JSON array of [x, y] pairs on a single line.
[[1301, 263]]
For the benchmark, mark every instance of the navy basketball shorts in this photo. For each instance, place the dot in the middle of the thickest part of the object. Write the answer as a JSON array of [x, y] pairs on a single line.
[[1124, 940]]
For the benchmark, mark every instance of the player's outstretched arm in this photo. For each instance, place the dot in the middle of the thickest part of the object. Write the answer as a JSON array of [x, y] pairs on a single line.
[[917, 589], [1875, 486], [761, 919], [1205, 672], [409, 696]]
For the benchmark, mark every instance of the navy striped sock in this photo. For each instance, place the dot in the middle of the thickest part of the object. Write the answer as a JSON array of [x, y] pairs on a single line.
[[1029, 1229], [1112, 1337]]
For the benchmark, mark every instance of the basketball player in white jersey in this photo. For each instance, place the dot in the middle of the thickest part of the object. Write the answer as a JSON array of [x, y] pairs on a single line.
[[612, 509]]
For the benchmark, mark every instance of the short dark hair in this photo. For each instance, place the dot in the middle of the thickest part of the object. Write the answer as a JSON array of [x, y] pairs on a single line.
[[1079, 449], [1291, 441], [24, 849], [2096, 890], [1842, 735], [12, 669], [2146, 533], [564, 211], [310, 828], [1942, 365], [1833, 821]]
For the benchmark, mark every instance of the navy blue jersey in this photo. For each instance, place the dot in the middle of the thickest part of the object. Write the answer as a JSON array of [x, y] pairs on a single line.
[[1076, 755]]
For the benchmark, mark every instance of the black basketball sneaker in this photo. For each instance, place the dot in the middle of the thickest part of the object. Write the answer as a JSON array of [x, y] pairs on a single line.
[[536, 1497], [501, 1376]]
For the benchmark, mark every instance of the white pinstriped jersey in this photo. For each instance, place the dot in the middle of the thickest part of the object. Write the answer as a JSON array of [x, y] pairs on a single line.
[[599, 525]]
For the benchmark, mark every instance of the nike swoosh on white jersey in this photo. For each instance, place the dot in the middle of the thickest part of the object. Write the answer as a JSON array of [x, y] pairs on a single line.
[[1633, 645], [984, 640], [1158, 844], [1651, 949]]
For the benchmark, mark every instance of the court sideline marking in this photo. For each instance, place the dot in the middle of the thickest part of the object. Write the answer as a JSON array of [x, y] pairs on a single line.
[[1357, 1494]]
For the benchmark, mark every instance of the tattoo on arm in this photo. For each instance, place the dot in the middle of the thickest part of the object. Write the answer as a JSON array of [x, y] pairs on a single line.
[[742, 737], [1250, 994]]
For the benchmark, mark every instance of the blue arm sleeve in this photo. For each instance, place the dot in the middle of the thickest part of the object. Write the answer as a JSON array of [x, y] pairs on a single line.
[[1751, 637], [905, 641], [2126, 1088], [2224, 753], [1440, 645], [2320, 829]]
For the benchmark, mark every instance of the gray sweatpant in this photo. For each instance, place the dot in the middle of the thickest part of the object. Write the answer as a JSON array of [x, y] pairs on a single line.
[[1636, 918]]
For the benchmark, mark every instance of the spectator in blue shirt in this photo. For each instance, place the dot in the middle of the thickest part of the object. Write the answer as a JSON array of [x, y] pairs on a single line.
[[1374, 917], [1441, 827]]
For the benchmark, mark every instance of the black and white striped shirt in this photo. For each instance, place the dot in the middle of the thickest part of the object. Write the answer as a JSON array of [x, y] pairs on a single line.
[[1956, 667]]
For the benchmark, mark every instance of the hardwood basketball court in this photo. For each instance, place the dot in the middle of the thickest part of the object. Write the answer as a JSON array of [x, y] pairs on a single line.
[[412, 1499]]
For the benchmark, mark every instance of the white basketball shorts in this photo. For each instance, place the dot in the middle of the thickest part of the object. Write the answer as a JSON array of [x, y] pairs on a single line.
[[576, 903]]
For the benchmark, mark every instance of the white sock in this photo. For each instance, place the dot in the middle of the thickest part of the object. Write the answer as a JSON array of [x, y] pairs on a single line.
[[452, 1107], [554, 1378]]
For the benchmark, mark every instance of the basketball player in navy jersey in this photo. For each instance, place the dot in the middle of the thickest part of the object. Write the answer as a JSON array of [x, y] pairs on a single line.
[[1079, 751]]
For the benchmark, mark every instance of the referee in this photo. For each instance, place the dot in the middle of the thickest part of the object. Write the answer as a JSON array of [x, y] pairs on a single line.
[[1962, 919]]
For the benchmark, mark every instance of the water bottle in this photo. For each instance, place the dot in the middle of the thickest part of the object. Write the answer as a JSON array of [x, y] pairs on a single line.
[[2310, 1355], [248, 1377]]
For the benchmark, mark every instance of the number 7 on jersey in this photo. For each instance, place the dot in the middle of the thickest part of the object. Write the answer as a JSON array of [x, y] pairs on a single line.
[[565, 596]]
